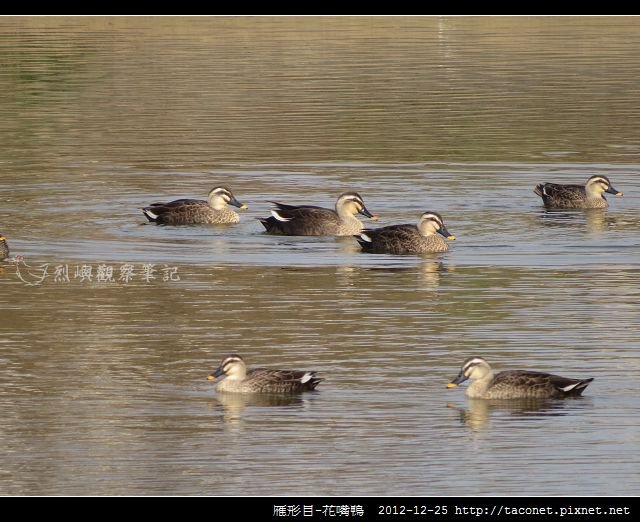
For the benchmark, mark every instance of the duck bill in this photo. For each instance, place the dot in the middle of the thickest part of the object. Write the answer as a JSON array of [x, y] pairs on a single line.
[[365, 212], [236, 203], [213, 376], [613, 191], [443, 230], [460, 378]]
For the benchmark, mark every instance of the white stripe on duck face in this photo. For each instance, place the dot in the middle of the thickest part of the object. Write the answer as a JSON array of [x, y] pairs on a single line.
[[471, 363], [351, 196], [601, 182], [599, 179], [221, 191], [219, 197], [230, 362], [430, 223], [433, 216]]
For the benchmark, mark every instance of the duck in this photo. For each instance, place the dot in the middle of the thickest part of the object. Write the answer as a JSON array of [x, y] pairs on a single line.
[[408, 239], [237, 379], [195, 211], [515, 384], [4, 248], [589, 195], [308, 220]]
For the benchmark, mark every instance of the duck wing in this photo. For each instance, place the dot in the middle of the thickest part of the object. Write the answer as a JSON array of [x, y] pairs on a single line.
[[282, 381], [176, 212], [554, 192], [303, 220], [538, 384], [383, 239]]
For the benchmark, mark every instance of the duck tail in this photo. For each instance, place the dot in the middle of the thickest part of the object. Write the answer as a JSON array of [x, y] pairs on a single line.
[[364, 240], [581, 386], [268, 223], [576, 388], [313, 382]]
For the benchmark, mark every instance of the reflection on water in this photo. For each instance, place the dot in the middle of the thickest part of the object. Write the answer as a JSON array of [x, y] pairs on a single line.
[[111, 325], [234, 405], [592, 220], [478, 413], [424, 273]]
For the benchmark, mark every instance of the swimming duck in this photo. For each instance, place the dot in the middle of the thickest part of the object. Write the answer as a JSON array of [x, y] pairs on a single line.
[[590, 195], [515, 384], [196, 211], [4, 248], [307, 220], [407, 239], [261, 380]]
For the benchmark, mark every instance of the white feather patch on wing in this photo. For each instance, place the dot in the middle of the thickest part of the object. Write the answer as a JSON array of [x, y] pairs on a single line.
[[570, 387], [365, 237], [149, 213], [275, 214], [306, 377]]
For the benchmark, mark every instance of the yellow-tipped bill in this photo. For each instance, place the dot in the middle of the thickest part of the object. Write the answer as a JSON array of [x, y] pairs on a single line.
[[451, 237], [452, 385]]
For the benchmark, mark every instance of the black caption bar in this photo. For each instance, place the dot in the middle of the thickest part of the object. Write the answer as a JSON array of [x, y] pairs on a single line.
[[389, 509], [440, 509]]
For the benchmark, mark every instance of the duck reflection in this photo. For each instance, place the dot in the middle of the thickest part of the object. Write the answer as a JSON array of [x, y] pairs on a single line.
[[598, 220], [428, 271], [478, 413], [595, 219], [235, 405]]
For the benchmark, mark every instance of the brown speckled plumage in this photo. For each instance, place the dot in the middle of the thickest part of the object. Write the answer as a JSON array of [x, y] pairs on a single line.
[[308, 220], [4, 248], [590, 195], [423, 238], [196, 211], [515, 384], [237, 379]]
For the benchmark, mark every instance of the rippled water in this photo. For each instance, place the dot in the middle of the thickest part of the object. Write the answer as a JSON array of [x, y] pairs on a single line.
[[103, 375]]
